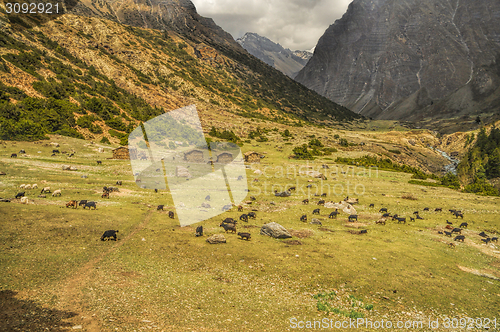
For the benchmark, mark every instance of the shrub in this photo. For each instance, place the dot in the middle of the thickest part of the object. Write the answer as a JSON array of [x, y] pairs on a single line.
[[105, 140]]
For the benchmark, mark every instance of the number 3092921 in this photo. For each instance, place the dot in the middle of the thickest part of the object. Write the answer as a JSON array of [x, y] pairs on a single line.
[[32, 8]]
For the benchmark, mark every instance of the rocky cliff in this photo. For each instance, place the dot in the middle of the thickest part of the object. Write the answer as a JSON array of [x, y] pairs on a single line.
[[411, 59], [275, 55]]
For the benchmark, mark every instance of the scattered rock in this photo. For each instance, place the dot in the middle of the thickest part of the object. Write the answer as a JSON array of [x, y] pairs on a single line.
[[315, 221], [2, 173], [216, 238], [76, 327], [42, 196], [4, 200], [275, 230], [205, 205]]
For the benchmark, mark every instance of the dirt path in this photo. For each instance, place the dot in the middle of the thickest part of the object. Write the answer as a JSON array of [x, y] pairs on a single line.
[[70, 293]]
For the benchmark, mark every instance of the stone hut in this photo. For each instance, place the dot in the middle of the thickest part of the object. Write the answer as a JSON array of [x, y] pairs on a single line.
[[194, 156], [124, 153], [252, 157], [225, 158]]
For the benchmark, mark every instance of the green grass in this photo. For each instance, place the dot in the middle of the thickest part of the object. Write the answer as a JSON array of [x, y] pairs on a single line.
[[161, 273]]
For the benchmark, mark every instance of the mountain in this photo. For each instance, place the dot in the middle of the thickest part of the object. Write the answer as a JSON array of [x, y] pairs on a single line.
[[101, 70], [411, 59], [286, 61]]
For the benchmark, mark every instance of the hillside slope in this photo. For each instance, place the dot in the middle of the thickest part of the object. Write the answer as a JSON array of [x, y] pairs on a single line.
[[115, 75], [411, 59]]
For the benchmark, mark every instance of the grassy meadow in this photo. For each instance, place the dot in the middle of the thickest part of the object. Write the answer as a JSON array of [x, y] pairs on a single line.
[[57, 275]]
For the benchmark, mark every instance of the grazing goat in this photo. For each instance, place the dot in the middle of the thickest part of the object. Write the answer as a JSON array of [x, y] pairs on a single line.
[[464, 225], [459, 238], [245, 236], [412, 219], [19, 195], [353, 217], [171, 214], [22, 151], [383, 210], [74, 204], [28, 186], [483, 234], [14, 155], [306, 201], [451, 245], [160, 207], [458, 214], [105, 194], [199, 231], [448, 233], [440, 232], [419, 217], [323, 195], [45, 190], [316, 211], [303, 218], [99, 162], [229, 221], [401, 220], [449, 223], [22, 186], [386, 215], [426, 209], [118, 183], [456, 230], [494, 239], [252, 198], [82, 202], [438, 210], [244, 217], [252, 215], [57, 192], [372, 205], [228, 227], [486, 241], [333, 214], [109, 234], [55, 151], [309, 186], [24, 200], [34, 186], [322, 202], [380, 221], [416, 212], [89, 205], [240, 208]]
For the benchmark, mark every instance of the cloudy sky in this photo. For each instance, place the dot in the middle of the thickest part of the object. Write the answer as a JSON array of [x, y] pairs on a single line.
[[295, 24]]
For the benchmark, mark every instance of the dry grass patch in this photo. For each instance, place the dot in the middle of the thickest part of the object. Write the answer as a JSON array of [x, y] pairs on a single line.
[[301, 234]]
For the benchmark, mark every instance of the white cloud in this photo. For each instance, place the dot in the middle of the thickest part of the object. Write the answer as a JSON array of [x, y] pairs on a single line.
[[295, 24]]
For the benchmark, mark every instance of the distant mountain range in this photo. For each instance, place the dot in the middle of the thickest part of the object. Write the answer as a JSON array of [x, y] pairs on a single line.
[[283, 59], [411, 59]]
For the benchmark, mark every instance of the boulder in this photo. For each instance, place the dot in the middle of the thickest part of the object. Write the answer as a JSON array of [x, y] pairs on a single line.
[[216, 238], [2, 173], [54, 144], [71, 168], [316, 221], [182, 172], [275, 230], [66, 167], [205, 205]]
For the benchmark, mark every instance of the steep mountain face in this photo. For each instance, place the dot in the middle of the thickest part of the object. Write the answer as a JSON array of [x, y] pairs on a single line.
[[286, 61], [411, 59], [91, 77]]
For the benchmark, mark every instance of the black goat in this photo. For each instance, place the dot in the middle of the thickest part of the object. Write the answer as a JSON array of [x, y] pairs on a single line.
[[171, 214], [459, 238], [109, 234], [303, 218], [228, 227], [89, 205], [316, 211], [333, 214], [199, 231], [464, 225], [252, 215], [19, 195], [353, 217], [244, 217], [383, 210]]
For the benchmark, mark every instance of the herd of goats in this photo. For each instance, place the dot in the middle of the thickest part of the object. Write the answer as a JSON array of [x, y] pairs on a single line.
[[229, 224]]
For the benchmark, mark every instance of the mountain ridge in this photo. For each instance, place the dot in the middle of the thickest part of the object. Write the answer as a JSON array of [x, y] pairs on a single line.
[[410, 59]]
